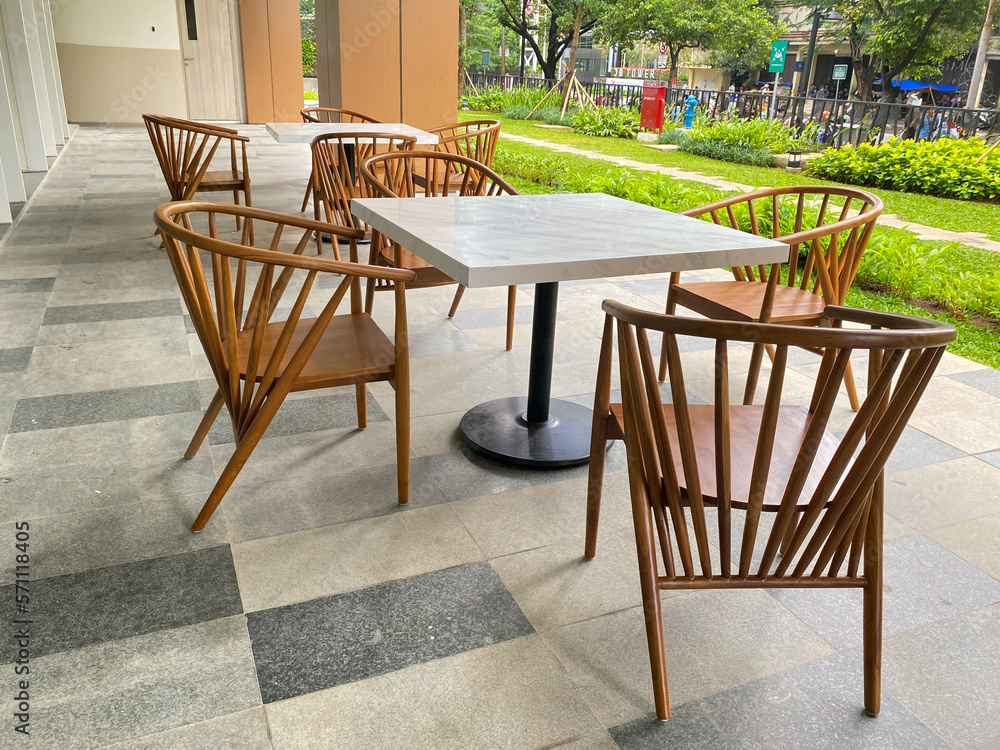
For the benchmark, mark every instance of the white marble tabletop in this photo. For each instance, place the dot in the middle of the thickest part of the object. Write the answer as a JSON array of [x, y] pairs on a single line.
[[528, 239], [304, 132]]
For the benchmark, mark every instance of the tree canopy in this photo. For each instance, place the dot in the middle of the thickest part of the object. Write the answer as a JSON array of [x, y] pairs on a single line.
[[555, 34]]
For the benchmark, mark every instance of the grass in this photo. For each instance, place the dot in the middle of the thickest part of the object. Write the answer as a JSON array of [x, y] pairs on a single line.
[[944, 213]]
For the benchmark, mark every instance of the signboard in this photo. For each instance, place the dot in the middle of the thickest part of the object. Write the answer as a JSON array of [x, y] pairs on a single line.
[[839, 72], [529, 8], [800, 66], [486, 58], [779, 49], [663, 48]]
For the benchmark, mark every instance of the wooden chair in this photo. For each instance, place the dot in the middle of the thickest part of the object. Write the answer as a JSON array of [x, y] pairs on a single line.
[[185, 149], [475, 139], [395, 176], [327, 114], [337, 175], [834, 252], [257, 357], [823, 496]]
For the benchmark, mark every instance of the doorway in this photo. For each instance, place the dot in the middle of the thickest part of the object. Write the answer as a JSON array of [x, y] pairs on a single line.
[[212, 65]]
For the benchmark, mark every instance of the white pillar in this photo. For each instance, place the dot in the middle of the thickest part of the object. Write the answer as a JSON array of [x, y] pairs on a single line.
[[5, 215], [46, 53], [28, 108], [57, 75], [32, 41], [10, 160]]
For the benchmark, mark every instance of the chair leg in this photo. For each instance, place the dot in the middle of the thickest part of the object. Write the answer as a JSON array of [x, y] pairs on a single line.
[[872, 606], [652, 613], [369, 295], [319, 235], [670, 310], [454, 303], [361, 394], [228, 476], [595, 480], [753, 374], [236, 202], [246, 200], [211, 414], [511, 302], [852, 391], [403, 439], [309, 190]]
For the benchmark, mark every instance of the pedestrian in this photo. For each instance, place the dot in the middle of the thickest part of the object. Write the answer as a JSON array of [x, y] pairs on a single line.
[[928, 125]]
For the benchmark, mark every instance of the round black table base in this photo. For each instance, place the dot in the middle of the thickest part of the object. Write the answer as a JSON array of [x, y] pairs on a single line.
[[499, 430]]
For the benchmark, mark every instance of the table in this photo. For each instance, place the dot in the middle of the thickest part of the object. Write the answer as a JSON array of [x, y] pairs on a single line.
[[304, 132], [543, 240]]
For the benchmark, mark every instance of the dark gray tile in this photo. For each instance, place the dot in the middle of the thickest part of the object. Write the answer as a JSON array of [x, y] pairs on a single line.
[[986, 380], [467, 474], [70, 410], [302, 648], [122, 601], [923, 583], [818, 705], [336, 410], [20, 286], [15, 360], [916, 448], [115, 311]]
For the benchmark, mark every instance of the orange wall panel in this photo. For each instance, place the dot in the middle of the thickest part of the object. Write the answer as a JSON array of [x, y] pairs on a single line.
[[429, 70], [369, 58], [285, 35], [256, 60]]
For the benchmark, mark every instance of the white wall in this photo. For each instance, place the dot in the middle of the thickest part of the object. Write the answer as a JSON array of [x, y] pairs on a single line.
[[117, 23]]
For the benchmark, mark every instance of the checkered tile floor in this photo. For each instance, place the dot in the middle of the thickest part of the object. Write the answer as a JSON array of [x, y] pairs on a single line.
[[313, 612]]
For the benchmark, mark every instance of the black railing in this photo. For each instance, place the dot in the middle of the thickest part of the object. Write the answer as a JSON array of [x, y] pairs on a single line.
[[837, 121]]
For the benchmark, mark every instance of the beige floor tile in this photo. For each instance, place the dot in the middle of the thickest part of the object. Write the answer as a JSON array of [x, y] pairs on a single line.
[[435, 433], [349, 556], [959, 415], [944, 493], [510, 695], [975, 541], [715, 640]]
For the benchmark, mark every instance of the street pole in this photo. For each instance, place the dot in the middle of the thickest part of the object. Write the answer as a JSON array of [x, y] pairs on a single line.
[[774, 96], [817, 17], [976, 82]]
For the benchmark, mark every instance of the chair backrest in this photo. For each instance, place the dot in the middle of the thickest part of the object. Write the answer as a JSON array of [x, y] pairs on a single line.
[[778, 459], [333, 114], [336, 159], [799, 215], [476, 139], [437, 174], [184, 150], [234, 303]]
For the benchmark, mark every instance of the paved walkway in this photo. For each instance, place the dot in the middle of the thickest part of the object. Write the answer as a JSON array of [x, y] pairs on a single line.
[[975, 239]]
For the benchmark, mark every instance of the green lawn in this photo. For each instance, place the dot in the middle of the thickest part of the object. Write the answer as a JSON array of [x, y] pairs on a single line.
[[957, 216]]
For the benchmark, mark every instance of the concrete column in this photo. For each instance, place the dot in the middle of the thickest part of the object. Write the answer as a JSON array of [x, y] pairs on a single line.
[[6, 217], [48, 51], [10, 160], [32, 41], [28, 99], [60, 97]]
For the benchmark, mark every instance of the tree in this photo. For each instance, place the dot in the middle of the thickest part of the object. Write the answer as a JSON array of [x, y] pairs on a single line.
[[556, 28], [893, 38], [730, 28]]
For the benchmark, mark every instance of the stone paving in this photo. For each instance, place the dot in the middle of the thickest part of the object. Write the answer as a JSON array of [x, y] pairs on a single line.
[[975, 239], [314, 612]]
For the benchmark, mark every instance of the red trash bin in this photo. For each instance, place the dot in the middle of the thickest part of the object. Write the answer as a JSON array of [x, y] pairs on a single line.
[[654, 99]]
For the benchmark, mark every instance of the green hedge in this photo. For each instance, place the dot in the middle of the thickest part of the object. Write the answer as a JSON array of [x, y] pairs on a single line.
[[607, 122], [944, 167]]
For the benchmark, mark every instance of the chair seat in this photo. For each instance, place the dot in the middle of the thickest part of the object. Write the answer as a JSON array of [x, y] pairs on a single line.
[[353, 349], [744, 430], [742, 300], [427, 275], [227, 179]]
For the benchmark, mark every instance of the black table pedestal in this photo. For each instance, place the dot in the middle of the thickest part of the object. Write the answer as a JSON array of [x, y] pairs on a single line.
[[537, 430]]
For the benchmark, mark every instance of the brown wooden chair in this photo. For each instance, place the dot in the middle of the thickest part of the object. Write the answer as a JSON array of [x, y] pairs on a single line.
[[257, 357], [185, 149], [475, 139], [337, 175], [823, 496], [395, 176], [834, 252], [327, 114]]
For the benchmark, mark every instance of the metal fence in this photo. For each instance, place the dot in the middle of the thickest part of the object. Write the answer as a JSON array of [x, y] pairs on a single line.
[[838, 121]]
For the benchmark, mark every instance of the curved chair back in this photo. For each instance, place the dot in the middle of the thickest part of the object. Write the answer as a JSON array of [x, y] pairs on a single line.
[[333, 114], [437, 174], [476, 139], [835, 236]]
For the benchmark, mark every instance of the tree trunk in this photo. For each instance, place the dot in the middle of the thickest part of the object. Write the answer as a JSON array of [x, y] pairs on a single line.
[[674, 57], [461, 48], [976, 82], [503, 53], [571, 68]]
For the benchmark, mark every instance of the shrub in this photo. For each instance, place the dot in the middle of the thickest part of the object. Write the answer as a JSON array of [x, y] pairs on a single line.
[[944, 167], [517, 112], [308, 57], [311, 96], [497, 99], [758, 157], [554, 116], [672, 135], [545, 170], [757, 134], [607, 122]]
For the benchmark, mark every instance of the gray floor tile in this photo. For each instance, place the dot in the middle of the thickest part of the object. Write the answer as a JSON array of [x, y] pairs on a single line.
[[993, 458], [20, 286], [71, 410], [15, 360], [434, 343], [322, 643], [328, 410], [112, 311], [986, 380], [111, 692], [246, 730], [122, 601], [491, 317], [948, 675], [818, 705], [916, 448], [923, 583]]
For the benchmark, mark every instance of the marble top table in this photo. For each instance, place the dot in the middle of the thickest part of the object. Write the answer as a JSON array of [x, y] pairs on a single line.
[[542, 240], [304, 132]]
